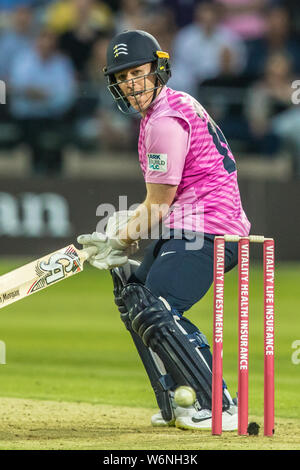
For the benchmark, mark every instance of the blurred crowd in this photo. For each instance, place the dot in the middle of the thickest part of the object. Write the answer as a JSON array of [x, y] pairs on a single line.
[[239, 58]]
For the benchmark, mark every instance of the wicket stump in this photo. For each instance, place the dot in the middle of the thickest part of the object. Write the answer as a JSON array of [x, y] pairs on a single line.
[[243, 333]]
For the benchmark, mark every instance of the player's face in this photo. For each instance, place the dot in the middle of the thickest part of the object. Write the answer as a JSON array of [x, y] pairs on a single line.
[[137, 85]]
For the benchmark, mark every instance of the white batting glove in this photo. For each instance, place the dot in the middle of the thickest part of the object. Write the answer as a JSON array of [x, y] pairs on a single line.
[[111, 252], [116, 223]]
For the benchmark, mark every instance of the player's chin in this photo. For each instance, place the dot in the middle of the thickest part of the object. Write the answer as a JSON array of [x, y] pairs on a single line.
[[138, 105], [146, 101]]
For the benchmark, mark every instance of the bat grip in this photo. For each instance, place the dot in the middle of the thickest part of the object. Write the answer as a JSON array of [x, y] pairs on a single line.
[[89, 251]]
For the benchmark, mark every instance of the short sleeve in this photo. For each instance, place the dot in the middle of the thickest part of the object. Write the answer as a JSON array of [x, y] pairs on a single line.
[[167, 144]]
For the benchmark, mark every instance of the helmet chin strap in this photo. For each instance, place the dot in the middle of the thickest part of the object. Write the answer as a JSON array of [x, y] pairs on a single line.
[[154, 95], [154, 69], [155, 89]]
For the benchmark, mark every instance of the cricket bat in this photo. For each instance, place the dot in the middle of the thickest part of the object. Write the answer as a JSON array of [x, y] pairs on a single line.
[[42, 273]]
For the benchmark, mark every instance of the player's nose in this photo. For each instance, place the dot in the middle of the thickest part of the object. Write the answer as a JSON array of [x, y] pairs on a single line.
[[130, 84]]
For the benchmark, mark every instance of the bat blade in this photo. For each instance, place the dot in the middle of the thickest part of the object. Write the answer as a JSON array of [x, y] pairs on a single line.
[[42, 273]]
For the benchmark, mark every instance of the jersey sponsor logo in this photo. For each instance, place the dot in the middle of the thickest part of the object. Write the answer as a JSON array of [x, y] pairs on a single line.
[[157, 162]]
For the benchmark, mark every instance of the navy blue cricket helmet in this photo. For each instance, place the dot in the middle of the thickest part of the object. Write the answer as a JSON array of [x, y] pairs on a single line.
[[130, 49]]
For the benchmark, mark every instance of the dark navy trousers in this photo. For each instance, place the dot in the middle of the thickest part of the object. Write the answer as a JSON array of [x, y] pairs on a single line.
[[181, 275]]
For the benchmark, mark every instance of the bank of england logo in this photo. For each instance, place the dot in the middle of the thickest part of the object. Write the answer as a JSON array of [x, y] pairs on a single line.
[[120, 49]]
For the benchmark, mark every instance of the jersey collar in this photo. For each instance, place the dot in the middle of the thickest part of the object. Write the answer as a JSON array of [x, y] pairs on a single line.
[[155, 104]]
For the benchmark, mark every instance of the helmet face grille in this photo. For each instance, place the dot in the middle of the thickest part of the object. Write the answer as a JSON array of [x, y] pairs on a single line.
[[161, 73], [122, 99]]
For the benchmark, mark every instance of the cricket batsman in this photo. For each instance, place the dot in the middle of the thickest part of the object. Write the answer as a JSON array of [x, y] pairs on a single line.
[[191, 186]]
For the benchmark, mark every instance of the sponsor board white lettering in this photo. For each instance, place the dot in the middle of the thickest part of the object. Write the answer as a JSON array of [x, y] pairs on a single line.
[[34, 215]]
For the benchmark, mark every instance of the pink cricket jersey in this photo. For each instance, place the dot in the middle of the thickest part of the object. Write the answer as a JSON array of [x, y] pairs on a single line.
[[179, 144]]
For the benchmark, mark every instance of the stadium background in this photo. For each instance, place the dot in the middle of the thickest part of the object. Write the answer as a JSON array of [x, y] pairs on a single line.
[[63, 143], [72, 378]]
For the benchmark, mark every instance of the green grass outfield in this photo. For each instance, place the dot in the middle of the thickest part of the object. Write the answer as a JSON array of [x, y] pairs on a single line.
[[67, 347]]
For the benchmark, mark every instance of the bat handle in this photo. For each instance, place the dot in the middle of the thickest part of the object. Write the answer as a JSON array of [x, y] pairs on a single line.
[[88, 252]]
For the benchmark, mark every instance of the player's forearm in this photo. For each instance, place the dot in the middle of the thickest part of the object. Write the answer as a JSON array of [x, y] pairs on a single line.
[[146, 217]]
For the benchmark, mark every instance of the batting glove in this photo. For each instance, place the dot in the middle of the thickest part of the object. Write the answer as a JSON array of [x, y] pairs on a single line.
[[111, 252]]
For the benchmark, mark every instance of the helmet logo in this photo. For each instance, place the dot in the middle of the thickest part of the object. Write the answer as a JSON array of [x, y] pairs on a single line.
[[120, 49]]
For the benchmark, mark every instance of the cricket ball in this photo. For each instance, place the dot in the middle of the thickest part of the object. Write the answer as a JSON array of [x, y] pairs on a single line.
[[184, 396]]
